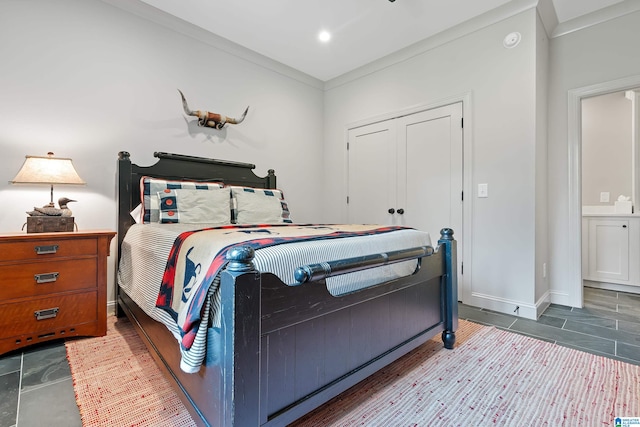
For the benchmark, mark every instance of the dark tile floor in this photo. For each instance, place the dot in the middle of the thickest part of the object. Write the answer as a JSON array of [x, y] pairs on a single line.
[[608, 325], [36, 388]]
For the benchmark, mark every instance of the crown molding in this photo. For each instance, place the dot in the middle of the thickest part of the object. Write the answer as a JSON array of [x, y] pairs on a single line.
[[157, 16], [597, 17], [548, 16], [544, 9], [487, 19]]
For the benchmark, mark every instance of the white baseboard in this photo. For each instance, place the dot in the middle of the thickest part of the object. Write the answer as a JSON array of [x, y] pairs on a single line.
[[612, 286], [111, 308], [506, 306], [561, 299], [543, 303]]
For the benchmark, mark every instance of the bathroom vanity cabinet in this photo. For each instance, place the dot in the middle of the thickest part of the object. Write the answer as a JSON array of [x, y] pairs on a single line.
[[611, 251]]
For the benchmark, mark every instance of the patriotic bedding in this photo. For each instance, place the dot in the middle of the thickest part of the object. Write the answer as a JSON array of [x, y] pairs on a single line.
[[172, 271]]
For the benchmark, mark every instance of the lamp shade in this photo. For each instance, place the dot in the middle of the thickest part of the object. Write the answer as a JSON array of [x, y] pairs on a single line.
[[47, 170]]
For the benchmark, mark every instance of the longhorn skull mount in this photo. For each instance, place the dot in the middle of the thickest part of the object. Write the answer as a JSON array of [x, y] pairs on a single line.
[[212, 120]]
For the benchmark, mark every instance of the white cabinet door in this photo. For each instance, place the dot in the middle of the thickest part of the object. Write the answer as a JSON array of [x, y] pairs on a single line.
[[608, 249]]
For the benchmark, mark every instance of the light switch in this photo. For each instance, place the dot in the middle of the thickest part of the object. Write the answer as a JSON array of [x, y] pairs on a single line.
[[604, 197], [483, 190]]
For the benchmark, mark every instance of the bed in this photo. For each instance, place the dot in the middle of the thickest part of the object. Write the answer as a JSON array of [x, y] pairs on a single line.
[[283, 349]]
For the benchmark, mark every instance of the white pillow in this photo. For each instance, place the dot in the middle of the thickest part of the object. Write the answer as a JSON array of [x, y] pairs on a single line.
[[259, 206], [195, 206]]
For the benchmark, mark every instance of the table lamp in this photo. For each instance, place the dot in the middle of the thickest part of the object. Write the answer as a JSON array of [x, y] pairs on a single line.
[[49, 170]]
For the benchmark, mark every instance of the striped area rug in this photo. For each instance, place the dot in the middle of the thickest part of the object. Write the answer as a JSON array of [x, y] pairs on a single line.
[[118, 384], [492, 377]]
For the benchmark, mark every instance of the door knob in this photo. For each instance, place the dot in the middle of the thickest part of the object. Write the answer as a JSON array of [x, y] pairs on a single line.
[[400, 211], [391, 211], [624, 226]]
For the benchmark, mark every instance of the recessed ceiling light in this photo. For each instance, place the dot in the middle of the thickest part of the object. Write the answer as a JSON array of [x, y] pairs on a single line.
[[324, 36]]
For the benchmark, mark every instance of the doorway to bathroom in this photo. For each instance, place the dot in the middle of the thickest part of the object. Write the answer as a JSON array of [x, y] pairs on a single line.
[[576, 96], [610, 228]]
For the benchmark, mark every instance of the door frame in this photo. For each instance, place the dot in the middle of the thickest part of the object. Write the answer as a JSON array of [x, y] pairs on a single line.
[[465, 235], [574, 296]]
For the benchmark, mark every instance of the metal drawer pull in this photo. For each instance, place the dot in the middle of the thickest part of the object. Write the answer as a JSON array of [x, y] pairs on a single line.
[[46, 277], [50, 249], [46, 314]]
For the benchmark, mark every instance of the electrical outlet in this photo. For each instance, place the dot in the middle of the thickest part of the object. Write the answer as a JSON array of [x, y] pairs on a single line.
[[544, 270], [604, 197]]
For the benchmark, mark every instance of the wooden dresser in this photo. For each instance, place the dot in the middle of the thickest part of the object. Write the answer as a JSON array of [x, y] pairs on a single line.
[[52, 285]]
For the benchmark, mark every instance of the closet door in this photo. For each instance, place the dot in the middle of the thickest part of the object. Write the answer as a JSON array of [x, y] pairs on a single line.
[[429, 146], [372, 173], [408, 171]]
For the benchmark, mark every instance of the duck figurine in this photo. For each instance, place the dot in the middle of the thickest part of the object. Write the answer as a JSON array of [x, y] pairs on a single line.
[[53, 211]]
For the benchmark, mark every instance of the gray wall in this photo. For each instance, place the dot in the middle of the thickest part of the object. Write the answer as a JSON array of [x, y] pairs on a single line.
[[593, 55], [606, 148], [85, 80], [541, 265], [502, 84]]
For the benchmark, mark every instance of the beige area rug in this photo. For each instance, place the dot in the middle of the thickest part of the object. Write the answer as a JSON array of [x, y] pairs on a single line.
[[118, 384], [492, 377], [495, 378]]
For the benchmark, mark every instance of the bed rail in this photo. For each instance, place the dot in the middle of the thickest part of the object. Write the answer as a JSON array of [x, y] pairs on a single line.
[[314, 272], [321, 271]]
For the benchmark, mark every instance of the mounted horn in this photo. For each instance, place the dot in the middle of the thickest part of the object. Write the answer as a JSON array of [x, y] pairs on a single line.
[[212, 120]]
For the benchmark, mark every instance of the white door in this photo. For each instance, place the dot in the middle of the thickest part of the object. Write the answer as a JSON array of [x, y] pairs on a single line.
[[408, 171], [430, 182], [372, 173]]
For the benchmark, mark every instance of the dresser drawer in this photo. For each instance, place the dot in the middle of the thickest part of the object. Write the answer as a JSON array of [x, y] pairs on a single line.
[[44, 314], [41, 278], [47, 248], [52, 285]]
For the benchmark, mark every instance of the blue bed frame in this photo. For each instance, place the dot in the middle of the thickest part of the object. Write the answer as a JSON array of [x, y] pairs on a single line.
[[286, 350]]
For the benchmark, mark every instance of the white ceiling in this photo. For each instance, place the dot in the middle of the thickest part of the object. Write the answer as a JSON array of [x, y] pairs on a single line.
[[362, 30]]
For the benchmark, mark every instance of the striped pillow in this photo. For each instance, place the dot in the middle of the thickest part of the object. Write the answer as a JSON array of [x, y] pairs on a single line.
[[150, 187], [258, 206], [195, 207]]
